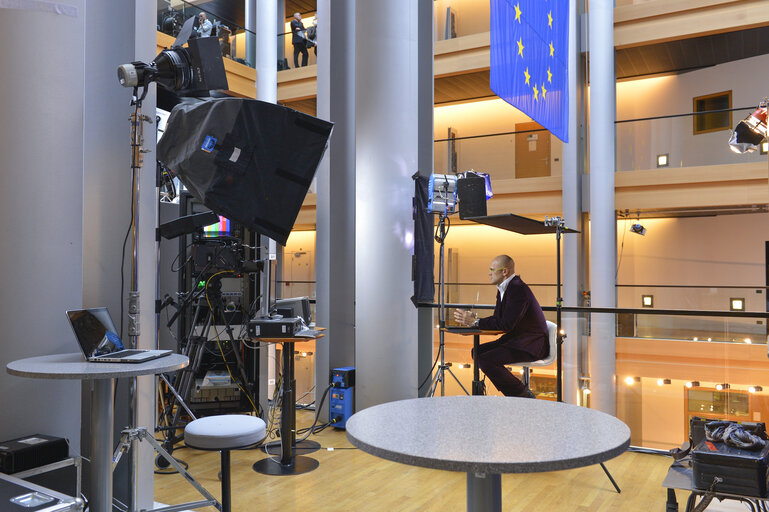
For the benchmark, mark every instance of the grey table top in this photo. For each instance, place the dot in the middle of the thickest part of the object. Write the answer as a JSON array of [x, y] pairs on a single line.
[[488, 434], [74, 367]]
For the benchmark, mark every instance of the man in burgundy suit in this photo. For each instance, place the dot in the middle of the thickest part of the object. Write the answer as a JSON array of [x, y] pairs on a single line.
[[518, 313]]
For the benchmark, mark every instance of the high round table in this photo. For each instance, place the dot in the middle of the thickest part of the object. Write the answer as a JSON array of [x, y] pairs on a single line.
[[485, 436], [102, 375]]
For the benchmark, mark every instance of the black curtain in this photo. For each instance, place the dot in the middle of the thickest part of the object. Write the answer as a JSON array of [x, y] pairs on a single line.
[[424, 248]]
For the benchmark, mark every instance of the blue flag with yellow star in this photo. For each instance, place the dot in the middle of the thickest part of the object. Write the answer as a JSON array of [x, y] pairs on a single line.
[[529, 59]]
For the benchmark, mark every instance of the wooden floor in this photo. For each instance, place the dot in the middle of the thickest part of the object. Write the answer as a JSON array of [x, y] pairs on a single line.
[[351, 480]]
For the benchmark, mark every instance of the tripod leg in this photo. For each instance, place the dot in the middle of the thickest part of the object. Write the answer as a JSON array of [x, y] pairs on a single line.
[[434, 383], [610, 478], [456, 379]]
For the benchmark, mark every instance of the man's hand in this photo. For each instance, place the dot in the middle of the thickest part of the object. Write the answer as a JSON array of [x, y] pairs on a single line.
[[464, 317]]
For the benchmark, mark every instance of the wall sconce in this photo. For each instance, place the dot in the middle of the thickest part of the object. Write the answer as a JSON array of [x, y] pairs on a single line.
[[663, 160], [755, 389], [693, 384], [647, 301], [764, 148], [721, 387], [661, 382], [737, 304]]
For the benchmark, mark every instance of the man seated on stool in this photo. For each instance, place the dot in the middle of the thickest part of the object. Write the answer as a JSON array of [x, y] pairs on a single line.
[[518, 313]]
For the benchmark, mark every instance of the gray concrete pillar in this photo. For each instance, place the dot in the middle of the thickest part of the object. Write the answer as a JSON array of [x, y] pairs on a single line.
[[386, 157], [251, 36], [571, 186], [426, 155], [603, 227], [41, 200], [266, 51], [335, 221]]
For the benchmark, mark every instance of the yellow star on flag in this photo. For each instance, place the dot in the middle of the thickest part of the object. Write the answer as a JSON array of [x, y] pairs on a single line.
[[549, 76], [520, 47], [550, 19], [517, 13], [527, 75], [544, 91], [536, 93], [552, 50]]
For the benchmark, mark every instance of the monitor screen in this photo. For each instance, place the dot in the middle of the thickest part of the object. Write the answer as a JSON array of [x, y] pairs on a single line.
[[221, 228]]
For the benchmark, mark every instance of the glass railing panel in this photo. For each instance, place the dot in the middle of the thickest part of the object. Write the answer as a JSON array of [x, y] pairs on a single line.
[[236, 42], [672, 142], [458, 18], [291, 55], [523, 154]]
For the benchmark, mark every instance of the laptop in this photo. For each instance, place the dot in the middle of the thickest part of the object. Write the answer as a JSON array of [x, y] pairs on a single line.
[[97, 336]]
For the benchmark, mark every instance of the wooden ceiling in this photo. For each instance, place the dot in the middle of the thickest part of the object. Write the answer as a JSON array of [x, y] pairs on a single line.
[[689, 54], [663, 58]]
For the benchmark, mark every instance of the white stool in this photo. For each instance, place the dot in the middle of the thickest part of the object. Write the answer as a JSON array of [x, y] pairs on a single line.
[[551, 336], [224, 433]]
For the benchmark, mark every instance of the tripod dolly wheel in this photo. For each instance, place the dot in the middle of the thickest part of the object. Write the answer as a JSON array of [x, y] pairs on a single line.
[[160, 461]]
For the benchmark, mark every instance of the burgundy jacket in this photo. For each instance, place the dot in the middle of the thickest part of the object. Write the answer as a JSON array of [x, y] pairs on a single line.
[[521, 317]]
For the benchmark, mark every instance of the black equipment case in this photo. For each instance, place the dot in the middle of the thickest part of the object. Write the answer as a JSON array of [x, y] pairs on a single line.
[[743, 471]]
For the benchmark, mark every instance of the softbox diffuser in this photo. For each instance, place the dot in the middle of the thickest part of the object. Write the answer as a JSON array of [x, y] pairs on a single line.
[[247, 160]]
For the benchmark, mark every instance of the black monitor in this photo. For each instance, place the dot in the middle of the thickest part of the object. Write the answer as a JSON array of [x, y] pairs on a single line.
[[299, 307]]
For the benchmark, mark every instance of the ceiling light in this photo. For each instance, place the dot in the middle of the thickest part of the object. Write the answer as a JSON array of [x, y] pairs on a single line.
[[629, 381], [736, 304], [755, 389], [747, 340], [663, 160], [647, 301], [723, 386], [638, 229], [693, 384]]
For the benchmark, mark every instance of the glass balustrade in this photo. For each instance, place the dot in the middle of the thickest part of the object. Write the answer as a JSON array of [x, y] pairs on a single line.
[[237, 43]]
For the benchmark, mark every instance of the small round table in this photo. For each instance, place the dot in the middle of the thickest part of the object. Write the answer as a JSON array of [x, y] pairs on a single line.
[[103, 375], [485, 436]]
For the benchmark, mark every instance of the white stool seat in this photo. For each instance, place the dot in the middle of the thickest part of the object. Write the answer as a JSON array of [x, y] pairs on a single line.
[[551, 336], [224, 432]]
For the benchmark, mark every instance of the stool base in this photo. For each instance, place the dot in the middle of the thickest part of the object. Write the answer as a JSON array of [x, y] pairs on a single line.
[[301, 465]]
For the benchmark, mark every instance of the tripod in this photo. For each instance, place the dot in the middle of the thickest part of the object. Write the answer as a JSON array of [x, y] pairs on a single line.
[[207, 310], [440, 237]]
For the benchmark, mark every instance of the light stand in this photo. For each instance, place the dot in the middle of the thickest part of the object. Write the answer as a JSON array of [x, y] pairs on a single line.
[[559, 224], [440, 237]]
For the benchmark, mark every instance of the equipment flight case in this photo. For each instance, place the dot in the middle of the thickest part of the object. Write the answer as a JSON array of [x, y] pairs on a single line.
[[18, 495], [743, 471]]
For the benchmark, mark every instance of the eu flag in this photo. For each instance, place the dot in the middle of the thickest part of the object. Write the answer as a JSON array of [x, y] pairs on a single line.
[[529, 66]]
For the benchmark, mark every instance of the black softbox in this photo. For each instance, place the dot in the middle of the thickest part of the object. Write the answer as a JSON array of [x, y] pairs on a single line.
[[247, 160]]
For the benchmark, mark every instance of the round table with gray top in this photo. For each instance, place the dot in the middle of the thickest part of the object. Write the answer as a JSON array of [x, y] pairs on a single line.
[[75, 367], [485, 436]]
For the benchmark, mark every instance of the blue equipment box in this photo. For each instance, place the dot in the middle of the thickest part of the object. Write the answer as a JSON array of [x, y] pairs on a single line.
[[340, 406], [343, 377]]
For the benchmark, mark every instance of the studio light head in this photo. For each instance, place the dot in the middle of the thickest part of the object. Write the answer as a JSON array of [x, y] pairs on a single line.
[[192, 70], [751, 131], [638, 229]]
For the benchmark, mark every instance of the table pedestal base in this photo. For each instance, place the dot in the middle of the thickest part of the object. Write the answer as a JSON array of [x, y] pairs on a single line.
[[298, 466], [305, 446], [484, 492]]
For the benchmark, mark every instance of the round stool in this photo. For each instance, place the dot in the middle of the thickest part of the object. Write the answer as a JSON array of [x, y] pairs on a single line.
[[224, 433]]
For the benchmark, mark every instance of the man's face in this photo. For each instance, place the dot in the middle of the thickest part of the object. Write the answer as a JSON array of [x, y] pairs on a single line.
[[202, 17], [497, 272]]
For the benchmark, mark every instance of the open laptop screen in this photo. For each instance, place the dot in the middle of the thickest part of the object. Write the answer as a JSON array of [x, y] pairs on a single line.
[[95, 332]]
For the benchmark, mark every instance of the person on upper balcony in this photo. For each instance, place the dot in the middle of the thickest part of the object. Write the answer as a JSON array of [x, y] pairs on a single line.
[[204, 30], [299, 40]]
